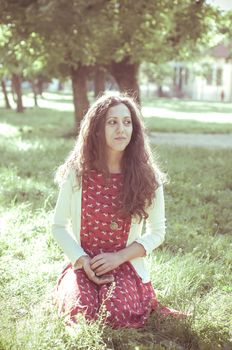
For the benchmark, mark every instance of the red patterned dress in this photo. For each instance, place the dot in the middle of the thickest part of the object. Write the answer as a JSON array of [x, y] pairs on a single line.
[[131, 301]]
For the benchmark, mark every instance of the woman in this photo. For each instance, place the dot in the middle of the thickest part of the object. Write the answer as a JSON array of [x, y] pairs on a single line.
[[108, 187]]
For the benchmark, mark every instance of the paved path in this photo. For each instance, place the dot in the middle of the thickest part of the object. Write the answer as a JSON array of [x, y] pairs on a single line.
[[205, 117], [192, 140], [52, 101]]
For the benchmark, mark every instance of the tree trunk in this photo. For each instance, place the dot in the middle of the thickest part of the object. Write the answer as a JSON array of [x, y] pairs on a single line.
[[180, 82], [35, 98], [34, 89], [7, 102], [160, 91], [80, 98], [16, 80], [39, 86], [125, 74], [99, 81], [13, 90], [60, 86]]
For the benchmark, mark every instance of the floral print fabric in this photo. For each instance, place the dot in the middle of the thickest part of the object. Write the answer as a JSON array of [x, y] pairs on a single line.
[[127, 302]]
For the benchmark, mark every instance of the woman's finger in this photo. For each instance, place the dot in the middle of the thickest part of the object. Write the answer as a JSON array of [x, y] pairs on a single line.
[[97, 279], [90, 273], [101, 268], [96, 264], [102, 271], [104, 279], [96, 258]]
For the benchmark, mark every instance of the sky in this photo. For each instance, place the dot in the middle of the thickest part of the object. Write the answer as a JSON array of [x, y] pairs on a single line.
[[225, 5]]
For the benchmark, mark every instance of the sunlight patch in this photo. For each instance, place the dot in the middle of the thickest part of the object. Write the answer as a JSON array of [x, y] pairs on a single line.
[[8, 130], [2, 225], [54, 96], [25, 145]]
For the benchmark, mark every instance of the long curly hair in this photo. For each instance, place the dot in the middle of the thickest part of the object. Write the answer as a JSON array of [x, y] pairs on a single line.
[[141, 176]]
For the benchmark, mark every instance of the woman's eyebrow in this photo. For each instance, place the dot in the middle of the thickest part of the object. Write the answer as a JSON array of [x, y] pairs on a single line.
[[115, 116]]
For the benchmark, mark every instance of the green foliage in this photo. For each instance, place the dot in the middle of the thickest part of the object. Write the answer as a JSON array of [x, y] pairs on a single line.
[[80, 32], [155, 73], [195, 25], [190, 271], [225, 25], [23, 55]]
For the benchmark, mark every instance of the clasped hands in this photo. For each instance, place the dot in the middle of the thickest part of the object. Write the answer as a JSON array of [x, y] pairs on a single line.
[[98, 267]]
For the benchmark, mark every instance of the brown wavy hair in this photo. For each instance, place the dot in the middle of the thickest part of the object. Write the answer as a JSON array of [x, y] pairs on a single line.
[[141, 176]]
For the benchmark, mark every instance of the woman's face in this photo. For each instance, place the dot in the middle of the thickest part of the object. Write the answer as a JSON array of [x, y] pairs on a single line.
[[118, 128]]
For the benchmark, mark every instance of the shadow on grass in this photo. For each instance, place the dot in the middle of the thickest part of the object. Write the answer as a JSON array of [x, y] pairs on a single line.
[[158, 334]]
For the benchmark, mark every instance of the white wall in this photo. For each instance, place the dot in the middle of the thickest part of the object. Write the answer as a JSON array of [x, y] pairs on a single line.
[[198, 89]]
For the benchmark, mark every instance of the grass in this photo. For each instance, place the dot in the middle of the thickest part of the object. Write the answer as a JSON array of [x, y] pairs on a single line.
[[157, 124], [184, 105], [191, 270]]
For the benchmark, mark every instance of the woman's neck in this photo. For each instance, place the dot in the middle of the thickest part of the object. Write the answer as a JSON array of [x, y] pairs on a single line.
[[114, 162]]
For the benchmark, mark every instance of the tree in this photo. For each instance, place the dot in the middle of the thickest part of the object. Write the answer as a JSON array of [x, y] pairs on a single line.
[[10, 58], [157, 32], [63, 25], [22, 51], [99, 74], [4, 91], [115, 34], [3, 69], [157, 74]]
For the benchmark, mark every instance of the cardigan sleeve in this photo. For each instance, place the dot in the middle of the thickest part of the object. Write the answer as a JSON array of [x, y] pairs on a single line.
[[155, 223], [61, 219]]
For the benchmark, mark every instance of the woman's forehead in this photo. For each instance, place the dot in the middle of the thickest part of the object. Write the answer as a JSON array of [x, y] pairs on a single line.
[[120, 110]]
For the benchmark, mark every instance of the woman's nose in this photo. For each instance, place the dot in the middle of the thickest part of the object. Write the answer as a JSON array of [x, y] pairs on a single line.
[[120, 127]]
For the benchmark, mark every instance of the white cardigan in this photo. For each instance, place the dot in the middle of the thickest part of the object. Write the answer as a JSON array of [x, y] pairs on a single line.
[[68, 210]]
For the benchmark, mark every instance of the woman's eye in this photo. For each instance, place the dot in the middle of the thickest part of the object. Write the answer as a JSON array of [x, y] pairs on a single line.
[[111, 122], [114, 122]]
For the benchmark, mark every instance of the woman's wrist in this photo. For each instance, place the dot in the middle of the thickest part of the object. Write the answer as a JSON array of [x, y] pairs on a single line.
[[134, 250], [122, 256], [80, 262]]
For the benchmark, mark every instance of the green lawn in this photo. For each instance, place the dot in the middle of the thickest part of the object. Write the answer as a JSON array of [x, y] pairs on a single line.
[[191, 270], [65, 121], [161, 124], [157, 124]]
